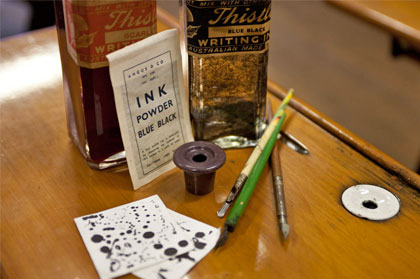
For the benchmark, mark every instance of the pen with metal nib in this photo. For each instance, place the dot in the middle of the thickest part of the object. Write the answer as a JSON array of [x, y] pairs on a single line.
[[240, 181], [279, 192], [278, 184], [246, 193]]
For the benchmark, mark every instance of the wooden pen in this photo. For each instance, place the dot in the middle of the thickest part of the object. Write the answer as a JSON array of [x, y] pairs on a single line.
[[279, 191]]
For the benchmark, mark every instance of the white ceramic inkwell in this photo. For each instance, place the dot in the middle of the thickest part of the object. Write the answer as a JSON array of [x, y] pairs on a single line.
[[370, 202]]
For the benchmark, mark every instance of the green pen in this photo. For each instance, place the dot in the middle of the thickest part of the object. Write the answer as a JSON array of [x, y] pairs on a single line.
[[248, 189]]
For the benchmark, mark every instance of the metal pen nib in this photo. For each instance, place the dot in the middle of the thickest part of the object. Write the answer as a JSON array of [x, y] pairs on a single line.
[[285, 228], [222, 238], [222, 211], [293, 143], [239, 183], [281, 205]]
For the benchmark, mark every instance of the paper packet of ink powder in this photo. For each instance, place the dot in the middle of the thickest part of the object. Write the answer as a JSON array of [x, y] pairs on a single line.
[[151, 104]]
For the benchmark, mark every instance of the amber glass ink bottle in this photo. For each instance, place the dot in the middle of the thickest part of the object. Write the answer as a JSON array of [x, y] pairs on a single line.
[[87, 31]]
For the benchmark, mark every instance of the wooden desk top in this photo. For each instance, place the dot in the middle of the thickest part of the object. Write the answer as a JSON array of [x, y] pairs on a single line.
[[45, 184], [401, 18]]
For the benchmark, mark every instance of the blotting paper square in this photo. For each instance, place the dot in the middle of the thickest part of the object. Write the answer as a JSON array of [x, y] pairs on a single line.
[[132, 236], [202, 239]]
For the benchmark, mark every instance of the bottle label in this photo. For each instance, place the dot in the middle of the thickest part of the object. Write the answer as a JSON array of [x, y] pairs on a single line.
[[96, 28], [227, 27]]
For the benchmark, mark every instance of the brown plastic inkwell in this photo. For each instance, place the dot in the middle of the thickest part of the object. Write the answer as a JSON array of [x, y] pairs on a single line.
[[199, 160]]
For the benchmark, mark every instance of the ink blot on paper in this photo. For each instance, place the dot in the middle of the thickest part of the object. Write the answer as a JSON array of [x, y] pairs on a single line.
[[171, 242], [97, 238], [183, 243], [117, 257], [170, 251], [195, 234], [148, 235]]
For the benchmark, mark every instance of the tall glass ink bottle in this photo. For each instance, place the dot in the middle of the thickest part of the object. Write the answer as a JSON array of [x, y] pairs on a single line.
[[87, 31], [227, 45]]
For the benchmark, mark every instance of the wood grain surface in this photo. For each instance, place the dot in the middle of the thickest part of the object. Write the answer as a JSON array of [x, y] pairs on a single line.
[[401, 18], [45, 184], [350, 138]]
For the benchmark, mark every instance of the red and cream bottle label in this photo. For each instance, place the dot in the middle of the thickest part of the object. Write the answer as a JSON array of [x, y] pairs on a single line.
[[96, 28]]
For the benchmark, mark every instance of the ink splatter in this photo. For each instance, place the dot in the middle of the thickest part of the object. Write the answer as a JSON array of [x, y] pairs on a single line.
[[115, 265], [183, 243], [97, 238], [148, 235], [198, 244], [199, 234], [115, 237], [90, 217], [185, 229], [105, 249], [170, 251], [161, 270], [185, 256]]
